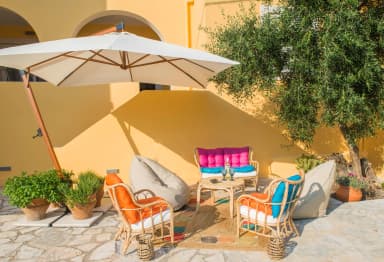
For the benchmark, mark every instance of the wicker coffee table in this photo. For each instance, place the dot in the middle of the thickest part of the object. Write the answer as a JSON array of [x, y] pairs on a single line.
[[213, 184]]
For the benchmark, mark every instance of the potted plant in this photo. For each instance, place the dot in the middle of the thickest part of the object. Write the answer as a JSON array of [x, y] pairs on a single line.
[[81, 196], [350, 188], [33, 193], [97, 182]]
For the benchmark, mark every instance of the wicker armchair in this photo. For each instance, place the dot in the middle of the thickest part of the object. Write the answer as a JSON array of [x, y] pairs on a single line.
[[140, 212], [269, 214]]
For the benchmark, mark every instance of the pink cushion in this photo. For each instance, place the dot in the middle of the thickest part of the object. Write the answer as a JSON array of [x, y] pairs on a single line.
[[237, 156], [210, 157]]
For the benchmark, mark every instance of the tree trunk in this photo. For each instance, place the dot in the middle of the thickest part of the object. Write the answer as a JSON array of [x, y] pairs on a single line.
[[355, 157], [353, 153]]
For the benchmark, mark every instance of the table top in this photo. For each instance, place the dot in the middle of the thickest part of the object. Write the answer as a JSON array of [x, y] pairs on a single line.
[[220, 183]]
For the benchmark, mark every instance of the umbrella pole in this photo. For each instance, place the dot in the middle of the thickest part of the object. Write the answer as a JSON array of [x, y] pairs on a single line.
[[40, 121]]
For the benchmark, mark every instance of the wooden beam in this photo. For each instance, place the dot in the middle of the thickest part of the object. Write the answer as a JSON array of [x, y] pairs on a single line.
[[40, 121]]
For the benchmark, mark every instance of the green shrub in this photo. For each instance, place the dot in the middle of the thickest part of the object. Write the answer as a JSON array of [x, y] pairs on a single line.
[[90, 179], [307, 162], [88, 183], [76, 195], [21, 190]]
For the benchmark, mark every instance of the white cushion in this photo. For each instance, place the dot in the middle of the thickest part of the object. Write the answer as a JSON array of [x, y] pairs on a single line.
[[245, 174], [260, 216], [237, 174], [156, 220], [316, 191], [208, 175]]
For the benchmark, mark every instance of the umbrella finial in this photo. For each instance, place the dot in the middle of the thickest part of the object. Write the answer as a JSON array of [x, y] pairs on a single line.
[[120, 27]]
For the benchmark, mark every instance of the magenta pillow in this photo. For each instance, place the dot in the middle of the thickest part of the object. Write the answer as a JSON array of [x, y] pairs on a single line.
[[211, 157], [238, 156]]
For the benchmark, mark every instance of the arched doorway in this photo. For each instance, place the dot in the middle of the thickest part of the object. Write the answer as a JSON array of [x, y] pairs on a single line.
[[15, 30], [132, 23]]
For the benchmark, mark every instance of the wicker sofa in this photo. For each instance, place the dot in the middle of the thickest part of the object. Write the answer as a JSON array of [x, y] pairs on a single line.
[[210, 162]]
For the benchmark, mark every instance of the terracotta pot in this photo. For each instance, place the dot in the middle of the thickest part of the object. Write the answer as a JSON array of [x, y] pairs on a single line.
[[36, 210], [83, 211], [99, 196], [348, 194]]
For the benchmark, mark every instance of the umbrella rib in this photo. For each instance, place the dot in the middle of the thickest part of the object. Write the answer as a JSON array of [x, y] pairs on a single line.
[[155, 62], [130, 70], [106, 58], [207, 68], [77, 68], [49, 59], [138, 60], [180, 69], [93, 60]]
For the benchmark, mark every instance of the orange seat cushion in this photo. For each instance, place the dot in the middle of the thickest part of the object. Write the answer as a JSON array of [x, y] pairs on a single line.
[[155, 209], [123, 198], [266, 208], [125, 201]]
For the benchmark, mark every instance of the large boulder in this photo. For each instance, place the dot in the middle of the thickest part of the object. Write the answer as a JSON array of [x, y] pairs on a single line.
[[316, 191], [148, 174]]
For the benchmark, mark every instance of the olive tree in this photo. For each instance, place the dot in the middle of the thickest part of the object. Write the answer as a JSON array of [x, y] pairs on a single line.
[[321, 62]]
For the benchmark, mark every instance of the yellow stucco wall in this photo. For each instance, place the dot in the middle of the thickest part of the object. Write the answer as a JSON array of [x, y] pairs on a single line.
[[101, 127]]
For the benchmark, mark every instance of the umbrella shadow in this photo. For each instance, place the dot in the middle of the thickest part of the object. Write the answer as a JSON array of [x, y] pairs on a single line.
[[70, 107], [184, 120]]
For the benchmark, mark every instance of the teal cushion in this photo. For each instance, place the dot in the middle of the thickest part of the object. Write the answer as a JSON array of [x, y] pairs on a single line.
[[244, 169], [211, 170], [279, 194]]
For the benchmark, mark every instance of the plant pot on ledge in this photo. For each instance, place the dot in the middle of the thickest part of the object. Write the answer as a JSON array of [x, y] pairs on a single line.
[[36, 210], [84, 211], [350, 187], [348, 194], [81, 196], [33, 192]]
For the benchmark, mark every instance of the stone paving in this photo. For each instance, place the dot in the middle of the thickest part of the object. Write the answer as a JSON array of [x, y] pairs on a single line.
[[350, 232]]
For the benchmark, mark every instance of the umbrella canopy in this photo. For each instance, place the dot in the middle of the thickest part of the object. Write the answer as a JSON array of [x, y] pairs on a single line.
[[114, 57]]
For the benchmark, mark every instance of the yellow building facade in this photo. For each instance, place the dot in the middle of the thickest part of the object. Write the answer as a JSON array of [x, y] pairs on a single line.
[[103, 127]]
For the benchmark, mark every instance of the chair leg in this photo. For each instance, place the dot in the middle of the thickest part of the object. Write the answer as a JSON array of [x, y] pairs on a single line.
[[213, 200], [127, 242], [293, 226], [119, 233], [171, 230], [238, 228], [198, 196]]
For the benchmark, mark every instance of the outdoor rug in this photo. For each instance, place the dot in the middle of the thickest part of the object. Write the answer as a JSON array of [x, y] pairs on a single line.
[[211, 227]]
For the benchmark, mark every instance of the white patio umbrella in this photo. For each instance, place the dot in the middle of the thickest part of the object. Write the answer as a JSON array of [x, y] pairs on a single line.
[[114, 57]]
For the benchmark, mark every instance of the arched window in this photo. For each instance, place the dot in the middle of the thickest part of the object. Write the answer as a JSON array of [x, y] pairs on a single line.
[[132, 24], [15, 30]]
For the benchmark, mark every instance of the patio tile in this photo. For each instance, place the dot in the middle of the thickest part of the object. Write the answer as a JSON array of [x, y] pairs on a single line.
[[69, 221], [9, 249], [104, 251], [61, 254], [27, 252], [50, 218]]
